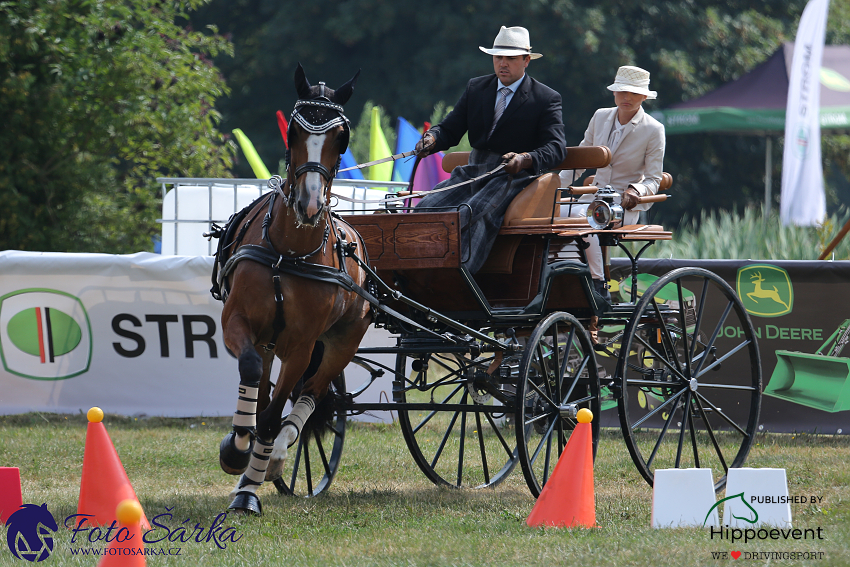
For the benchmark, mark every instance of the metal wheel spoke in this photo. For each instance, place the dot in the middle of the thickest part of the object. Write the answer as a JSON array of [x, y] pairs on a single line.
[[564, 399], [663, 359], [710, 431], [295, 467], [547, 460], [556, 360], [535, 419], [567, 349], [544, 370], [670, 400], [723, 415], [443, 442], [684, 325], [666, 334], [462, 442], [321, 449], [714, 334], [307, 471], [545, 437], [698, 324], [481, 447], [433, 413], [693, 432], [722, 358], [682, 430], [728, 387], [542, 393], [498, 433], [664, 429]]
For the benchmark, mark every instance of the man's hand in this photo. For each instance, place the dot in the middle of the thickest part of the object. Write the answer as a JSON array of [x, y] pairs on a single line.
[[425, 146], [516, 162], [630, 198]]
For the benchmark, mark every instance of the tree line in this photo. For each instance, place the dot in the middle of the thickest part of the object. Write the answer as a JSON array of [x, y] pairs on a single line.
[[103, 97]]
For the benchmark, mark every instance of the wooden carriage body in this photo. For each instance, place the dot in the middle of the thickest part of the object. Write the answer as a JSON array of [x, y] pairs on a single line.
[[421, 254]]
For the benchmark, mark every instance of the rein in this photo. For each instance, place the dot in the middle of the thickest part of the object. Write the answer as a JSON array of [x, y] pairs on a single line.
[[413, 195], [379, 161]]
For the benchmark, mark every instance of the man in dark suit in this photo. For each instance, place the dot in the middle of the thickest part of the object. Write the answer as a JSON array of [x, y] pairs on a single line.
[[511, 118]]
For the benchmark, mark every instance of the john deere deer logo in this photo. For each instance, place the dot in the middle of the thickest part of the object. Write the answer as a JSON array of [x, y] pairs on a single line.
[[760, 293], [765, 290]]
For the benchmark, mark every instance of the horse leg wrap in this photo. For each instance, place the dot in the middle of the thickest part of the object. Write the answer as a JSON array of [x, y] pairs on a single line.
[[245, 418], [256, 472], [294, 422]]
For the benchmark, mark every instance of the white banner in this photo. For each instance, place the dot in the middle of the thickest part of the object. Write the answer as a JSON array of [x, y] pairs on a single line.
[[803, 201], [135, 334]]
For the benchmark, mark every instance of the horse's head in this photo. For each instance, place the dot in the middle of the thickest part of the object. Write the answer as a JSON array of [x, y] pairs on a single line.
[[318, 136]]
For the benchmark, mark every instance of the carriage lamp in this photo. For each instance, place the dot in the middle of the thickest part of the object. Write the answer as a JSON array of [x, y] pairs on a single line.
[[603, 213]]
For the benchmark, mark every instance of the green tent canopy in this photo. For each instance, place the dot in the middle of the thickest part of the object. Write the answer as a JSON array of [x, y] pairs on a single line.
[[755, 103]]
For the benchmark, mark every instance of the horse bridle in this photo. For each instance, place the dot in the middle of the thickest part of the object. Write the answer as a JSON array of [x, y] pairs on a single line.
[[311, 116]]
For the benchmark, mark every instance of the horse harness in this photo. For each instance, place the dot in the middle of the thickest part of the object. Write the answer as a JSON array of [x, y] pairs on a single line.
[[316, 117]]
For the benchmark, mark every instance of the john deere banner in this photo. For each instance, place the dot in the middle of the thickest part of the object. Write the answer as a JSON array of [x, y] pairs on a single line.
[[801, 316], [136, 334]]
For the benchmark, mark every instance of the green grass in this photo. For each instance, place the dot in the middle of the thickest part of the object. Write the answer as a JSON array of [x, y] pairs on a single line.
[[382, 511]]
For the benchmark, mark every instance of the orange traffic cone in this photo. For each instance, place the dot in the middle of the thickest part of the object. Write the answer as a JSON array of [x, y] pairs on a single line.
[[10, 492], [127, 549], [567, 499], [105, 483]]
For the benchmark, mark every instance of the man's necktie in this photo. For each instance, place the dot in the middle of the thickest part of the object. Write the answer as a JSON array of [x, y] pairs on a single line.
[[500, 107]]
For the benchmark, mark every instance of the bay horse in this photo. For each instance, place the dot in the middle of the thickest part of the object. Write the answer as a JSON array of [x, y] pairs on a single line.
[[291, 290]]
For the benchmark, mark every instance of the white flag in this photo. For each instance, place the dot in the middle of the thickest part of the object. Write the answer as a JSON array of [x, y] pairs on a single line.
[[803, 201]]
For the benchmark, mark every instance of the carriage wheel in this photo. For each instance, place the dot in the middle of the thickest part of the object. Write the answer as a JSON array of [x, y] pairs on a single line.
[[558, 377], [691, 377], [311, 464], [471, 448]]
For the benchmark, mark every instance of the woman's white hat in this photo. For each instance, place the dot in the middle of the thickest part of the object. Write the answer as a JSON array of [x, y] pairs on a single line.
[[511, 41], [633, 80]]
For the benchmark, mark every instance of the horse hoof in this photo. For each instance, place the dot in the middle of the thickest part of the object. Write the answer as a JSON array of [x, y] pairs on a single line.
[[231, 459], [275, 469], [246, 503]]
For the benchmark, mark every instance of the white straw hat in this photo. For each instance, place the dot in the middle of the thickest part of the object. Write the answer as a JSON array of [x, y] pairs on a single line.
[[511, 41], [633, 80]]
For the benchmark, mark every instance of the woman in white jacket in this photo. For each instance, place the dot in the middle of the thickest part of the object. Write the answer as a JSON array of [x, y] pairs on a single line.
[[636, 141]]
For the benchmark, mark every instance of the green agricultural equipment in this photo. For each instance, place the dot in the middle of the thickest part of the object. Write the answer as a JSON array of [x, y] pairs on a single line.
[[818, 380]]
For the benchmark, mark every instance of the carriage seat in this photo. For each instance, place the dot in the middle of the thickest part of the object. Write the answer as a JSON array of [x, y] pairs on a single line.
[[534, 205]]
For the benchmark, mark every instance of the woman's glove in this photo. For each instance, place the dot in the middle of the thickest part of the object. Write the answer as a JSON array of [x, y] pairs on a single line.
[[630, 198]]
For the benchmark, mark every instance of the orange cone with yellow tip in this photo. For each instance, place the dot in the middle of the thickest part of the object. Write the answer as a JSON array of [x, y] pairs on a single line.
[[127, 549], [104, 484], [567, 500]]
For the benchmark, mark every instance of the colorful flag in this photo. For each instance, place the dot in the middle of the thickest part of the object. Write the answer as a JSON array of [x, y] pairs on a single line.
[[803, 202], [251, 155], [430, 172], [284, 127], [407, 138], [348, 161], [378, 149]]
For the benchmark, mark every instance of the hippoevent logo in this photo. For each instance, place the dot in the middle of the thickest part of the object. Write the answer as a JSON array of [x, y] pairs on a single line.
[[765, 290], [44, 334], [30, 532]]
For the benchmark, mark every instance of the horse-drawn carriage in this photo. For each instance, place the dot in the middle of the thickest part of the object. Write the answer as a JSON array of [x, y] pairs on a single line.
[[490, 369]]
